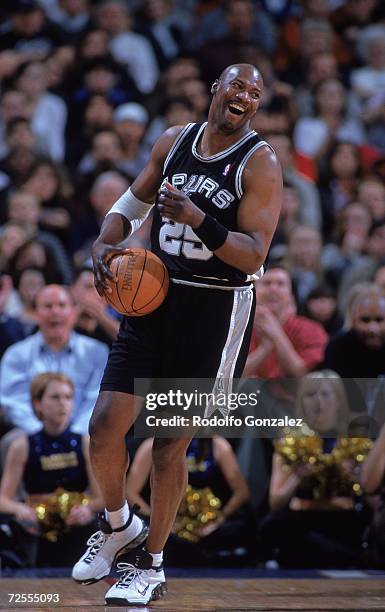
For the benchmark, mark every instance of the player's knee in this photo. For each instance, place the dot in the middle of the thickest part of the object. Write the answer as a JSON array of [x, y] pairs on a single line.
[[168, 452], [101, 422]]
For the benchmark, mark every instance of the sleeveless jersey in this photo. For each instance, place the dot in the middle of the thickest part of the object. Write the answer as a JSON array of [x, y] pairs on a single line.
[[55, 461], [214, 184]]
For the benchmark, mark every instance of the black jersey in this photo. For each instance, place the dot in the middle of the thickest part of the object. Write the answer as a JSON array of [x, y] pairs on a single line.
[[55, 461], [214, 184]]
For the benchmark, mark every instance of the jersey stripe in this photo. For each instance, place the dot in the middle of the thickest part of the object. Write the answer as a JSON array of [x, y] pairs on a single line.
[[242, 165], [182, 134], [239, 319], [221, 154]]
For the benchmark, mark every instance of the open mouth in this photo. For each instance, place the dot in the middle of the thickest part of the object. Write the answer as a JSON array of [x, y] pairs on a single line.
[[236, 109]]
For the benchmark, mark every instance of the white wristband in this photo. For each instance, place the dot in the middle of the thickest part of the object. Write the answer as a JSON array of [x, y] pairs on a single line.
[[133, 209]]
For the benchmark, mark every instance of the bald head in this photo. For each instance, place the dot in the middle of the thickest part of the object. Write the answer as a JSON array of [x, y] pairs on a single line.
[[368, 317], [242, 70], [237, 94]]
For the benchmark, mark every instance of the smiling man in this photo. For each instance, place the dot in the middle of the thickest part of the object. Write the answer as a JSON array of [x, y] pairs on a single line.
[[217, 188]]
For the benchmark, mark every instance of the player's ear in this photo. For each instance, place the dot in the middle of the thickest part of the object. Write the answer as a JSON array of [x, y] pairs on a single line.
[[214, 86]]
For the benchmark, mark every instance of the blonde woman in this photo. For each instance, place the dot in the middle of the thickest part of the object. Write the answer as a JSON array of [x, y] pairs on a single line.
[[313, 520]]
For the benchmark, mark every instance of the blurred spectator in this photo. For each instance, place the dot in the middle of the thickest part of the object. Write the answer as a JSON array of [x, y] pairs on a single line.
[[93, 315], [12, 237], [211, 463], [321, 66], [13, 105], [55, 347], [156, 23], [71, 16], [48, 112], [233, 21], [129, 48], [11, 330], [105, 153], [374, 118], [371, 192], [338, 181], [105, 190], [176, 111], [351, 231], [228, 33], [329, 121], [28, 32], [379, 277], [288, 220], [282, 343], [39, 252], [360, 351], [196, 92], [370, 79], [303, 259], [321, 306], [24, 209], [130, 122], [310, 209], [362, 268], [313, 513], [49, 183], [373, 482], [28, 283], [66, 454]]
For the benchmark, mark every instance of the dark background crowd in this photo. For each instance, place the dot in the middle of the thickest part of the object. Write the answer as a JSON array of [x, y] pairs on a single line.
[[85, 90]]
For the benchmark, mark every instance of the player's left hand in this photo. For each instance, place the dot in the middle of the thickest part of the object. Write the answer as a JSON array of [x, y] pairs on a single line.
[[177, 206]]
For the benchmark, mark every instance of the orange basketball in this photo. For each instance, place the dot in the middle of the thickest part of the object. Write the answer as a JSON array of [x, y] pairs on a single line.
[[142, 282]]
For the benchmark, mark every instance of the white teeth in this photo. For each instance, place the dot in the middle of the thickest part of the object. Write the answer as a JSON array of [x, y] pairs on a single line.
[[237, 106]]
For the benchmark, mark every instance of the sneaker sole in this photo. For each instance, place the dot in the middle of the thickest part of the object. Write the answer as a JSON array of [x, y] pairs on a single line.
[[159, 591], [133, 544]]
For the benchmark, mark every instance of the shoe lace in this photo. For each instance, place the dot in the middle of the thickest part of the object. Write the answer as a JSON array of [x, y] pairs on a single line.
[[129, 574], [95, 543]]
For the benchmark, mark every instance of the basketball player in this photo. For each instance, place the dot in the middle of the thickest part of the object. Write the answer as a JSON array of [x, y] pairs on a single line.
[[212, 229]]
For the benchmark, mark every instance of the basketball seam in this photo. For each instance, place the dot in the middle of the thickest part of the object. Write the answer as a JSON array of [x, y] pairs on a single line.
[[139, 283], [157, 293], [117, 286]]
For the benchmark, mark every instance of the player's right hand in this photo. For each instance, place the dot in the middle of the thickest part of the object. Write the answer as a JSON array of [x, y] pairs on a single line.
[[101, 256]]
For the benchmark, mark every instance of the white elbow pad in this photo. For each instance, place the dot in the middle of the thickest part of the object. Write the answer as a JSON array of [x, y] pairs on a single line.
[[133, 209]]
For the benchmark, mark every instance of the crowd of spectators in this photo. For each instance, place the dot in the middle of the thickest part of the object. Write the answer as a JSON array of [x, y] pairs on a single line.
[[85, 90]]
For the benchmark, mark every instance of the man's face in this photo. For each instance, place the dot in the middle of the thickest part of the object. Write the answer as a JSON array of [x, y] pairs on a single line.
[[274, 290], [55, 313], [237, 97], [369, 320]]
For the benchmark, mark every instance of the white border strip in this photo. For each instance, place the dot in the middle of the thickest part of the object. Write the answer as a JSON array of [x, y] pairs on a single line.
[[242, 165], [176, 144]]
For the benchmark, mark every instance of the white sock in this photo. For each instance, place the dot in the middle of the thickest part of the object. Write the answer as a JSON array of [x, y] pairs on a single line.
[[157, 558], [118, 518]]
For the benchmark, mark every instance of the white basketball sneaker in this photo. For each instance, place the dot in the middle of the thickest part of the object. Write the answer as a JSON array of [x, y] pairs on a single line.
[[105, 546], [140, 582]]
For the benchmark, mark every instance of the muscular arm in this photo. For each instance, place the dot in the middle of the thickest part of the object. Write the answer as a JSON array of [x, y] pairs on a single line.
[[258, 214], [116, 227]]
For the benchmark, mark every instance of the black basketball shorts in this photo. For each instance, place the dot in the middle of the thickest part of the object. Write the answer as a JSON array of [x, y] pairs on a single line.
[[196, 333]]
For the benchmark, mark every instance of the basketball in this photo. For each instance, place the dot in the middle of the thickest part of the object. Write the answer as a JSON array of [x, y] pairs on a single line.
[[142, 282]]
